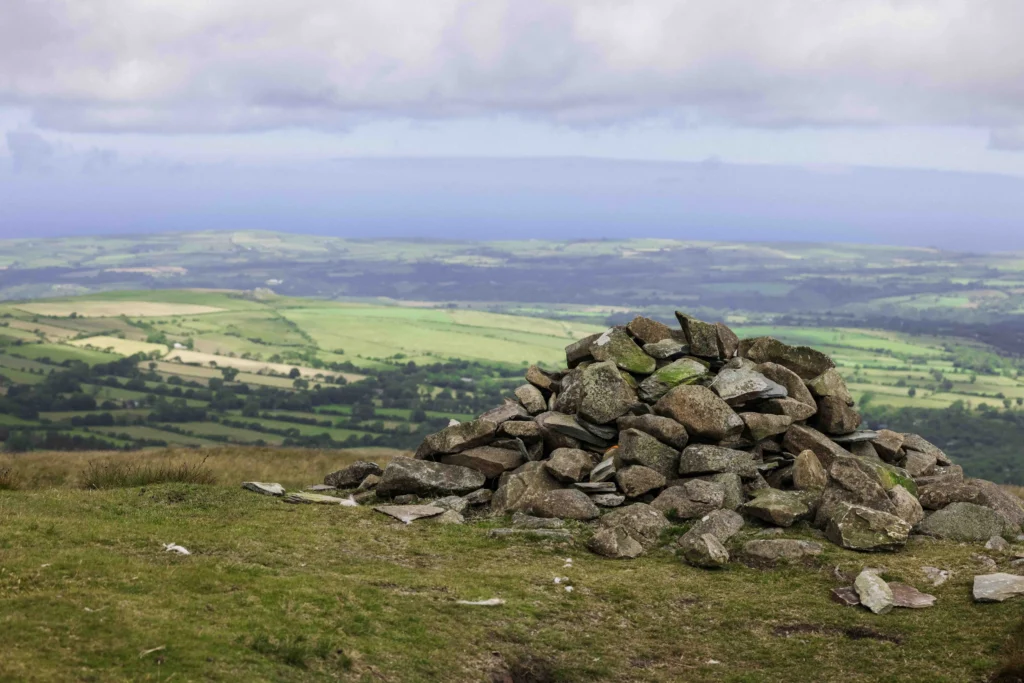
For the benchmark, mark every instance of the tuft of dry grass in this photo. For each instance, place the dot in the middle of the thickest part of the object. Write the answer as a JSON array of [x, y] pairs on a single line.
[[9, 480], [292, 467], [120, 474], [1016, 490]]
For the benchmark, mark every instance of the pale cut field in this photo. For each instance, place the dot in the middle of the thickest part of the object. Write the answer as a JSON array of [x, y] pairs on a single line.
[[124, 347], [113, 309], [246, 365]]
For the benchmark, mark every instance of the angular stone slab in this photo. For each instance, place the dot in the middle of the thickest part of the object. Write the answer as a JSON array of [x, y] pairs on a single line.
[[317, 499], [909, 597], [859, 528], [806, 362], [265, 488], [680, 372], [997, 587], [743, 385], [615, 345], [424, 478], [701, 412], [457, 437], [874, 592], [409, 513], [487, 460], [353, 475]]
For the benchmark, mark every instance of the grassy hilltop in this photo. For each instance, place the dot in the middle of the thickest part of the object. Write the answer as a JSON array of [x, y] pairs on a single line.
[[305, 593]]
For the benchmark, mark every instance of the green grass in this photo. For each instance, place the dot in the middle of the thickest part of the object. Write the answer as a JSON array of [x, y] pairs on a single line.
[[126, 474], [306, 593]]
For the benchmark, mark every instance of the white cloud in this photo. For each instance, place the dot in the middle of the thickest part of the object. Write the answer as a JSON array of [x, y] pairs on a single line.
[[227, 65]]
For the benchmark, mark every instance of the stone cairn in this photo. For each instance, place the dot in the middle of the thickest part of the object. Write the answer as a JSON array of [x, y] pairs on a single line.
[[651, 425]]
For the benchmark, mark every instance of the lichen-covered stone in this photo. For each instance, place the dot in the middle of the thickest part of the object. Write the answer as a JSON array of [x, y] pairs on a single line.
[[906, 506], [830, 384], [457, 438], [664, 429], [636, 480], [701, 336], [874, 592], [888, 445], [643, 522], [531, 398], [616, 346], [737, 386], [698, 459], [423, 478], [795, 387], [569, 465], [701, 412], [519, 488], [579, 351], [964, 522], [760, 426], [615, 543], [680, 372], [639, 448], [693, 499], [353, 475], [860, 528], [789, 407], [835, 416], [781, 508], [804, 361], [649, 331], [780, 549], [542, 379], [800, 438], [808, 474], [705, 551], [488, 460], [667, 349], [604, 393], [564, 504]]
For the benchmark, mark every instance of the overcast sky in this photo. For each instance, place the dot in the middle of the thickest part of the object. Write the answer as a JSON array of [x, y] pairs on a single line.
[[98, 94]]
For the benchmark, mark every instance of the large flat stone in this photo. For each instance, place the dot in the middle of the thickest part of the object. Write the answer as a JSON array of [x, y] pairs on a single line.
[[423, 478]]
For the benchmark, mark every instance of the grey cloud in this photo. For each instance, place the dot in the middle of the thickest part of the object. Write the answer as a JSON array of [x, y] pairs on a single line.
[[29, 151], [1008, 139], [227, 65]]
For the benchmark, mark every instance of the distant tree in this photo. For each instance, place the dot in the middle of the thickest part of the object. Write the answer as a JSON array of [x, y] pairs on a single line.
[[294, 373], [301, 383], [911, 392], [229, 374]]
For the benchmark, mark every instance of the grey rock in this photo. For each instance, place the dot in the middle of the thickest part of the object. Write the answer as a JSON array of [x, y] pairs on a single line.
[[935, 575], [567, 425], [804, 361], [487, 460], [642, 522], [781, 508], [479, 497], [564, 504], [906, 506], [454, 503], [728, 342], [700, 459], [999, 499], [722, 524], [616, 543], [964, 522], [780, 549], [318, 488], [527, 430], [705, 551], [579, 351], [265, 488], [450, 517], [693, 499], [649, 331], [789, 407], [568, 399], [569, 465], [667, 349], [541, 379], [857, 440], [808, 474], [800, 438], [998, 544], [888, 444], [853, 475], [532, 399], [592, 487], [405, 499], [856, 527], [605, 393], [664, 429], [423, 478], [608, 500], [409, 513], [938, 494], [760, 426], [702, 337], [830, 384], [521, 487], [521, 520], [997, 587], [909, 597], [639, 448], [874, 593], [732, 487], [353, 475], [509, 410], [795, 387], [318, 499], [684, 371], [636, 480], [701, 412], [457, 438], [603, 471], [920, 464], [836, 417], [616, 346], [739, 386], [913, 442]]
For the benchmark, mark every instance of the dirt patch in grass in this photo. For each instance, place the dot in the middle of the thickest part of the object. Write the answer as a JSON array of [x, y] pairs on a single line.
[[853, 632]]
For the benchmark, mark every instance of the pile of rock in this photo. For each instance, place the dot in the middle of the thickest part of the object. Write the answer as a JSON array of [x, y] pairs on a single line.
[[695, 424]]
